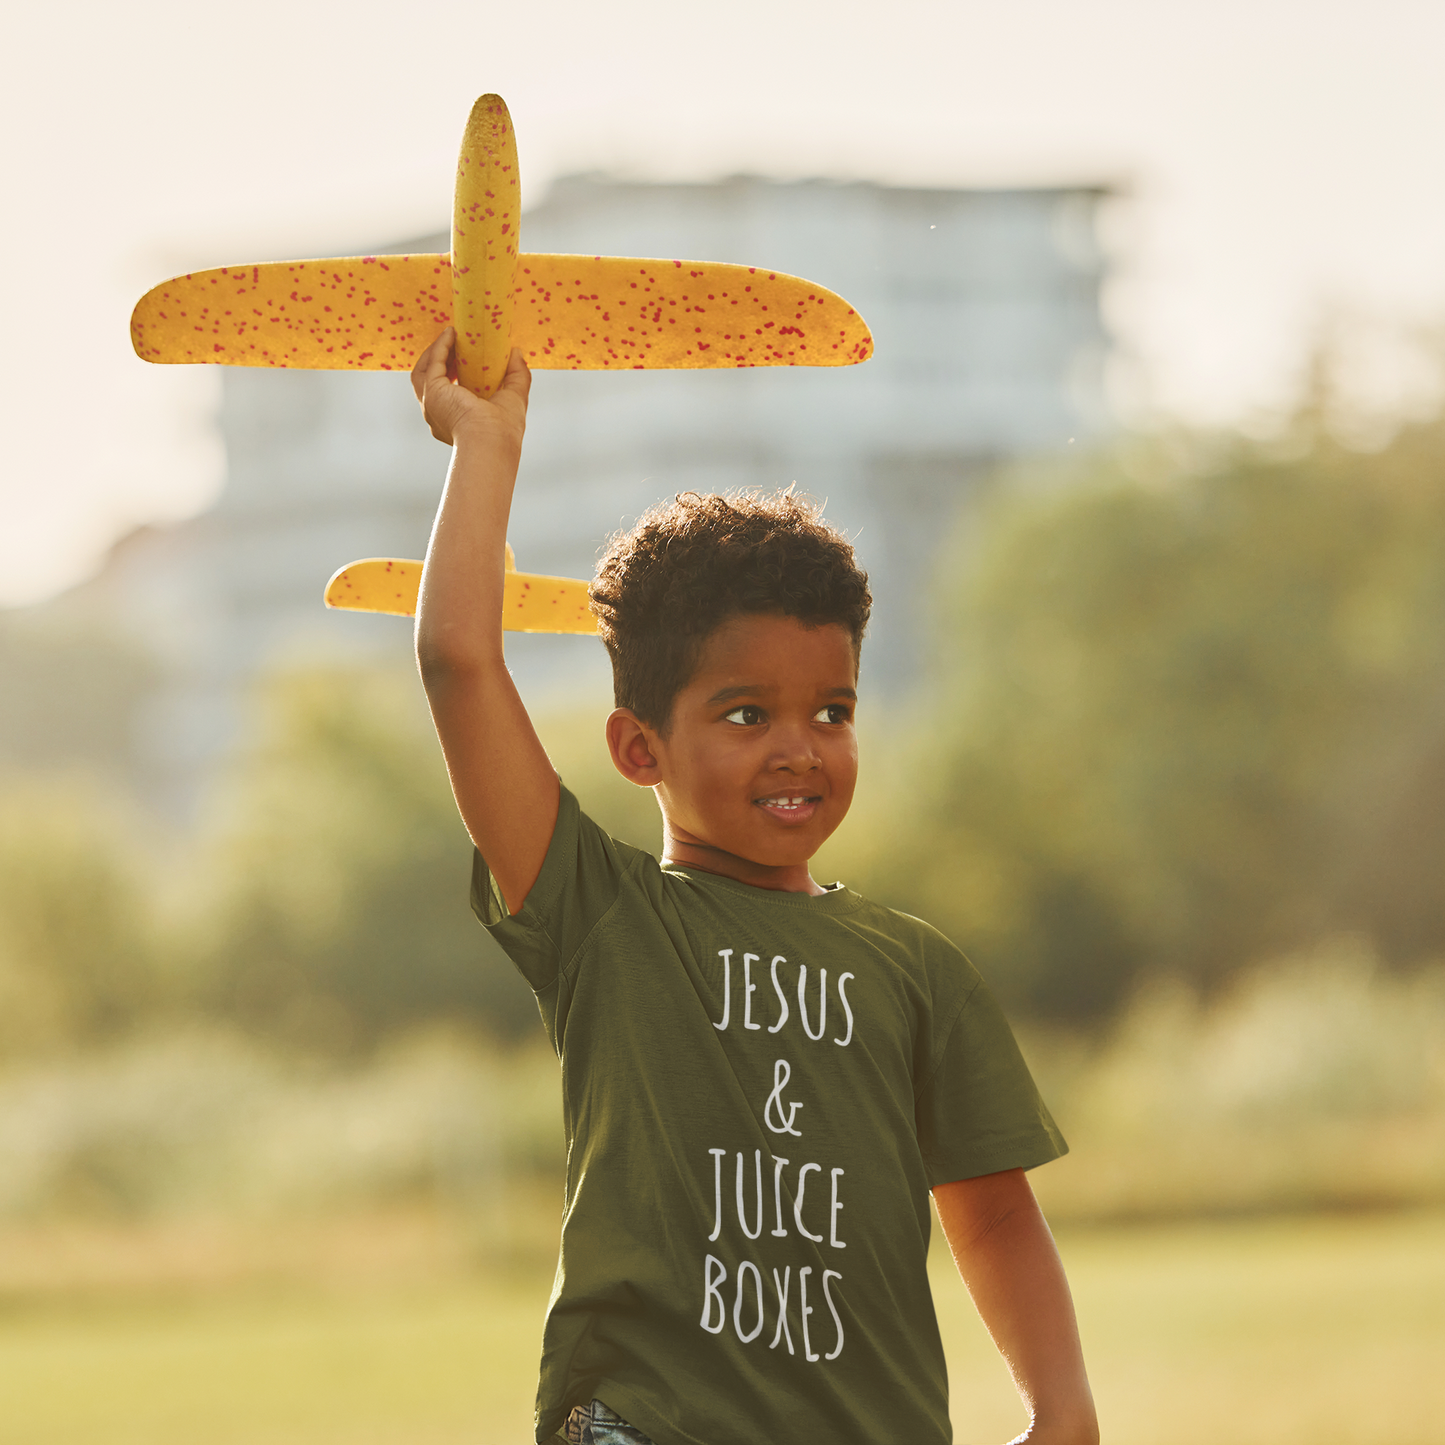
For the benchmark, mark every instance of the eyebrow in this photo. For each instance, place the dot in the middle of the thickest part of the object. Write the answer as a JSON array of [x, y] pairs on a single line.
[[756, 689]]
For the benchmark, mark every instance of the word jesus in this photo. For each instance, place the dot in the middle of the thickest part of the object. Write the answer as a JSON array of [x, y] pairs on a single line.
[[750, 988]]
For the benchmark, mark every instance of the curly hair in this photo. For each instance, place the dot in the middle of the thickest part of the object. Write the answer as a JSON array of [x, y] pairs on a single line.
[[693, 563]]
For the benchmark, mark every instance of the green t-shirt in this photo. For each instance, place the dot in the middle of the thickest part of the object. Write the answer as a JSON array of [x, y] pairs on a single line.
[[759, 1089]]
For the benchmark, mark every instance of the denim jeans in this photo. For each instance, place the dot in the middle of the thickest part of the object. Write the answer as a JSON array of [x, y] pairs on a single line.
[[595, 1424]]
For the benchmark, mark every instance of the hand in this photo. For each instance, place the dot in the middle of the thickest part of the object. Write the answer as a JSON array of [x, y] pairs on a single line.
[[450, 408], [1006, 1255], [1084, 1431]]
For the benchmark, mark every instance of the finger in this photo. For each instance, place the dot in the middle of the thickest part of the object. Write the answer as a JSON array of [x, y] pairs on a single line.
[[517, 379], [438, 367], [418, 371], [431, 364]]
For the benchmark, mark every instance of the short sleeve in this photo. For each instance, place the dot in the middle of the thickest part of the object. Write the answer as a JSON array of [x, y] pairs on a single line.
[[579, 882], [979, 1110]]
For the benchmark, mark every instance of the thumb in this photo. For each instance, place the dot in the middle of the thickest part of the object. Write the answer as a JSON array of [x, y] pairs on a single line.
[[517, 379]]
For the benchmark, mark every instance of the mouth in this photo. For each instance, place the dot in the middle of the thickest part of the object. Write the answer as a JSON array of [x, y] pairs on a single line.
[[790, 807]]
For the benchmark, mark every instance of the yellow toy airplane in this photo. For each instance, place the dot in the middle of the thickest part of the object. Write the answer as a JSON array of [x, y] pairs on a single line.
[[530, 603], [571, 313]]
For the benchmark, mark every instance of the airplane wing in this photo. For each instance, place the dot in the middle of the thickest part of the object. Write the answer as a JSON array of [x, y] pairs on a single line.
[[530, 603], [362, 313], [616, 313], [624, 313]]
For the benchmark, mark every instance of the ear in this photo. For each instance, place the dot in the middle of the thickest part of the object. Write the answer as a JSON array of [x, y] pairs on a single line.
[[632, 745]]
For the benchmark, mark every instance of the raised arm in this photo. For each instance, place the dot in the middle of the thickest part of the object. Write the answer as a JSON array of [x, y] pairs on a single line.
[[1006, 1255], [504, 785]]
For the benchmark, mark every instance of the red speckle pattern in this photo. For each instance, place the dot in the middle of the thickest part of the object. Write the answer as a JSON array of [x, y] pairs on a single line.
[[378, 584], [577, 313], [619, 312], [530, 603], [570, 313], [363, 313], [486, 210]]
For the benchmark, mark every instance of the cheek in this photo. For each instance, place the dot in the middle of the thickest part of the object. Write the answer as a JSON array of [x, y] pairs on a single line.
[[731, 758], [721, 770]]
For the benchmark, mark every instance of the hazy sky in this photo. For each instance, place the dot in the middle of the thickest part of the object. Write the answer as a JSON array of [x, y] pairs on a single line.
[[1281, 156]]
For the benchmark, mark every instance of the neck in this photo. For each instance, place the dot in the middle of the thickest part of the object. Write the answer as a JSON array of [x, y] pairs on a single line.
[[703, 857]]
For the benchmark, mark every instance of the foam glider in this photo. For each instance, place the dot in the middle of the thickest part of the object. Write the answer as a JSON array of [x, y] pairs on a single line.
[[574, 313], [530, 603]]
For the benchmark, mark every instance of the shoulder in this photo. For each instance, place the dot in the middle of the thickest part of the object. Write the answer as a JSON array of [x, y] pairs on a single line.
[[919, 937], [583, 874], [578, 835], [924, 962]]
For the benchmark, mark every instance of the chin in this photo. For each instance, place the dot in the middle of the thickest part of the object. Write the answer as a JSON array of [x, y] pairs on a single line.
[[786, 852]]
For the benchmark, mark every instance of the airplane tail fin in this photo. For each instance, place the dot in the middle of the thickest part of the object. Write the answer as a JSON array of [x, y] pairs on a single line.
[[530, 603]]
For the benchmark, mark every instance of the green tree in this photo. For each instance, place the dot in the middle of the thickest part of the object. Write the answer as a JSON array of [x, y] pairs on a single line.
[[341, 872], [82, 958], [1194, 714]]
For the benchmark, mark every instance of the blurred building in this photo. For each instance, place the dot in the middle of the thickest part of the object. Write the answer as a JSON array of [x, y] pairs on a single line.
[[984, 306]]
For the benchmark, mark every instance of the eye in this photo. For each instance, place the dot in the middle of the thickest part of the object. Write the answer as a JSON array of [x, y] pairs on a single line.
[[835, 712], [746, 716]]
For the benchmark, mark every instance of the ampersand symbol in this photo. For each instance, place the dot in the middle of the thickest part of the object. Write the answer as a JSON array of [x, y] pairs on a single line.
[[782, 1072]]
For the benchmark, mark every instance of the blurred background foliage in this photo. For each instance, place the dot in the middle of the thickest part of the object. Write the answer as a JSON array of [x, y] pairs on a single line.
[[1189, 715], [340, 872], [1177, 784]]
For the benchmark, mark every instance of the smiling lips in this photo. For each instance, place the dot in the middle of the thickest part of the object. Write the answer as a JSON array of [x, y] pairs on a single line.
[[797, 808]]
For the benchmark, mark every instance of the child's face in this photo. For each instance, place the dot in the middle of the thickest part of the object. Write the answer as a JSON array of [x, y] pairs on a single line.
[[761, 757]]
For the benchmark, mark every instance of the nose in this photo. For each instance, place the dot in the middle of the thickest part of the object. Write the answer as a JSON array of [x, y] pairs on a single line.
[[795, 751]]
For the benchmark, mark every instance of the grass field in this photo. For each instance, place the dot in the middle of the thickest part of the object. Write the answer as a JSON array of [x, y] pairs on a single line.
[[1317, 1331]]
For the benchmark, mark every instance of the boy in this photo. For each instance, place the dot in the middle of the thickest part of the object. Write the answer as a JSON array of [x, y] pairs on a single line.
[[762, 1078]]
